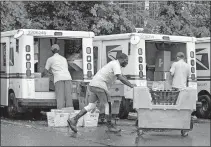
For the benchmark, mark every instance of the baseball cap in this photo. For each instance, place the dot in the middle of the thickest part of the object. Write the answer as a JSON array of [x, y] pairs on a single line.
[[180, 55], [55, 46]]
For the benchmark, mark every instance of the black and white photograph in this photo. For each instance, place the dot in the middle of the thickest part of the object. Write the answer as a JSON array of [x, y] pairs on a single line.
[[105, 73]]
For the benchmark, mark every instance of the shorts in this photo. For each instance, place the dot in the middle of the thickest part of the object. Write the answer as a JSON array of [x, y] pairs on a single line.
[[98, 94]]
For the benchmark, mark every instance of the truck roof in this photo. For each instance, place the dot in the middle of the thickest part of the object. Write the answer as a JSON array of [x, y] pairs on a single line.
[[204, 39], [49, 33], [152, 37]]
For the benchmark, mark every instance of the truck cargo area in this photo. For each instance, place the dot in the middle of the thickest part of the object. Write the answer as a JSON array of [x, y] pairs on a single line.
[[70, 48], [159, 58]]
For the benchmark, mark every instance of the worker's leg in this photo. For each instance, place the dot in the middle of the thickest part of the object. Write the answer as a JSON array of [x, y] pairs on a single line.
[[59, 91], [92, 105], [104, 97], [68, 93]]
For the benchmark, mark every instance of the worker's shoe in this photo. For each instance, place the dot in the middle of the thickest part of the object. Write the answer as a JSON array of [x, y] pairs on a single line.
[[73, 121], [111, 127]]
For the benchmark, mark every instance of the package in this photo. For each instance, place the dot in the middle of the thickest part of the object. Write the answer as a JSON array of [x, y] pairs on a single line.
[[56, 110], [50, 118], [163, 61], [37, 75], [162, 76], [60, 119], [161, 85], [80, 121], [115, 104], [42, 84], [68, 110], [91, 119]]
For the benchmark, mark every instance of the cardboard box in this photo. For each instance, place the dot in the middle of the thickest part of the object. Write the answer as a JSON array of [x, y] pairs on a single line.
[[42, 84], [37, 75], [91, 119], [50, 118], [56, 110], [162, 76], [116, 90], [68, 110], [60, 119], [161, 85], [163, 61], [115, 104]]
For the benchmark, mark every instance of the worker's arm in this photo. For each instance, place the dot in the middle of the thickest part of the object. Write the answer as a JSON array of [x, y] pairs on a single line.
[[124, 80], [172, 70], [47, 68], [45, 72]]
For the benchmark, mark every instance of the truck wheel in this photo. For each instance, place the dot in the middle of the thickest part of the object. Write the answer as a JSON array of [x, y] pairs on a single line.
[[203, 112], [11, 110], [124, 108], [36, 113]]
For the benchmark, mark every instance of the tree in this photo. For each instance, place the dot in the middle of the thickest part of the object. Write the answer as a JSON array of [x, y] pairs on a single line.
[[99, 17], [110, 19], [13, 16], [180, 18]]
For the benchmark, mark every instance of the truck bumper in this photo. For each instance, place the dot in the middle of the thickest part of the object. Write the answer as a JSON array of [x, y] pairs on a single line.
[[37, 103]]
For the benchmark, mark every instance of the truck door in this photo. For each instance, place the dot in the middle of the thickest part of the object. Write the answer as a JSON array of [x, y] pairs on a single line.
[[4, 71], [88, 68]]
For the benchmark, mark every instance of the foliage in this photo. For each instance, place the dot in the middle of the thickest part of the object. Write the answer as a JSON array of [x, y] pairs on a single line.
[[83, 16], [110, 19], [13, 16], [172, 17], [188, 19]]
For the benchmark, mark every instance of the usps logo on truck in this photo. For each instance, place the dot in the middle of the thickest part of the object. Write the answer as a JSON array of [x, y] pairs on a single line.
[[112, 52], [202, 61]]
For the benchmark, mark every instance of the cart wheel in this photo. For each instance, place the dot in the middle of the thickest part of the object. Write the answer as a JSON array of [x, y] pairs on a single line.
[[140, 132], [184, 133]]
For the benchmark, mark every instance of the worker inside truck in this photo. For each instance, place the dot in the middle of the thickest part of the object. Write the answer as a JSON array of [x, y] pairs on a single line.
[[180, 71], [159, 58], [70, 48]]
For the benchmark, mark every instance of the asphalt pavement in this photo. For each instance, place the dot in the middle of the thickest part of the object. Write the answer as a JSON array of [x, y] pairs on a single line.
[[37, 133]]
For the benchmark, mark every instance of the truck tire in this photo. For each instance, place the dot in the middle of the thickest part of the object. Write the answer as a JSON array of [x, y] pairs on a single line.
[[11, 109], [204, 111], [36, 113], [124, 108]]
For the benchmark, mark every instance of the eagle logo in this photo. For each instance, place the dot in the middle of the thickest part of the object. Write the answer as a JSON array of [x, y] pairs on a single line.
[[112, 52], [202, 62]]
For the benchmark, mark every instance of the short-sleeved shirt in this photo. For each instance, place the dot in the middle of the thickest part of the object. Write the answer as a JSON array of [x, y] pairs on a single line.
[[106, 76], [181, 72], [59, 66]]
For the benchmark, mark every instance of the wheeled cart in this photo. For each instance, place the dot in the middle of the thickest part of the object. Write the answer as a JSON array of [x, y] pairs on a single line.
[[164, 109]]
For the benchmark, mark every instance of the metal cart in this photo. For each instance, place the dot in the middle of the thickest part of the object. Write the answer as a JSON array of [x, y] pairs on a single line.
[[164, 109]]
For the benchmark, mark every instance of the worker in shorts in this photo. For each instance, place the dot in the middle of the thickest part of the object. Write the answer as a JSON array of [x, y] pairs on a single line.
[[98, 90]]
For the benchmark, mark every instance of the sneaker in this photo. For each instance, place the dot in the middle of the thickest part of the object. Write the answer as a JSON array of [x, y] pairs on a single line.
[[72, 124]]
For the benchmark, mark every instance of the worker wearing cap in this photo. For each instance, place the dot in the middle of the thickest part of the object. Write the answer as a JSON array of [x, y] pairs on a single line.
[[62, 78], [180, 71]]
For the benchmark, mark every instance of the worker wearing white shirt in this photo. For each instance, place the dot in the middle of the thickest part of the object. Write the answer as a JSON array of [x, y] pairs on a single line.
[[62, 78], [98, 90], [180, 71]]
